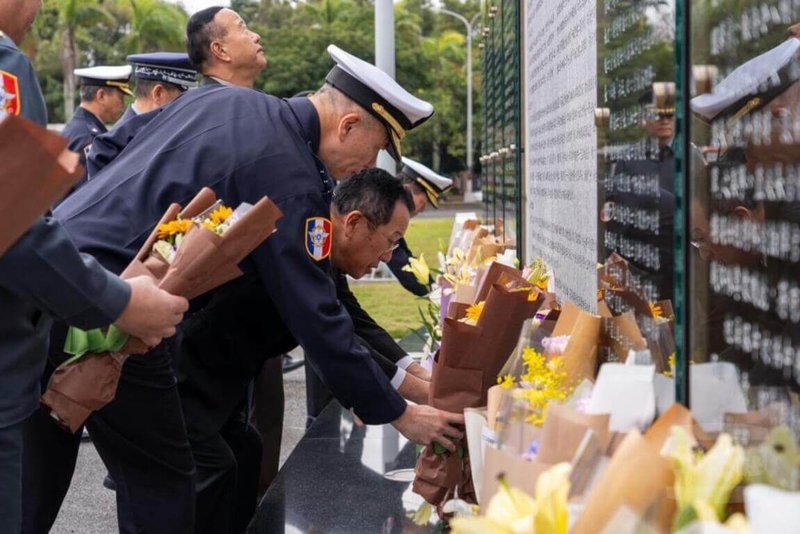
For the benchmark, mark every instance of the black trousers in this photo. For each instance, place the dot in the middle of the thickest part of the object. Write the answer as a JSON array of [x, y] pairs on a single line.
[[141, 438], [228, 464], [11, 478]]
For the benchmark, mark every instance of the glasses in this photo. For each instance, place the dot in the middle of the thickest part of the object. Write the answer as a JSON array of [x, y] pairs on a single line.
[[392, 245]]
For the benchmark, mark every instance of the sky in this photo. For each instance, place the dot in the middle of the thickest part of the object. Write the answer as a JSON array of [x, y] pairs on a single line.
[[192, 6]]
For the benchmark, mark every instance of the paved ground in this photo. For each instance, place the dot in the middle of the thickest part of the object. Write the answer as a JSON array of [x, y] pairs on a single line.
[[91, 509]]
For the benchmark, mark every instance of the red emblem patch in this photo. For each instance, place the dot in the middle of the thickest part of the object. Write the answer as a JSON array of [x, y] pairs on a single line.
[[9, 94]]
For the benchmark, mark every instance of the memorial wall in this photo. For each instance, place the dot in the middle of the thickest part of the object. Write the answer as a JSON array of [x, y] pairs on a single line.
[[745, 195], [597, 173], [560, 186]]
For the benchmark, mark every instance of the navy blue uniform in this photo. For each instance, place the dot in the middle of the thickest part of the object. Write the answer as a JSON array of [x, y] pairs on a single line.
[[107, 146], [244, 145], [400, 258], [81, 130], [41, 276]]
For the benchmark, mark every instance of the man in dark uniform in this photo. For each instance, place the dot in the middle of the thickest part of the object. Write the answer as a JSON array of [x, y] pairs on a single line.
[[42, 276], [207, 137], [426, 186], [161, 77], [103, 91]]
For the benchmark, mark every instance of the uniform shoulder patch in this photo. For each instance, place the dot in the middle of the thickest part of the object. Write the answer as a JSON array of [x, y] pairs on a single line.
[[318, 232], [10, 103]]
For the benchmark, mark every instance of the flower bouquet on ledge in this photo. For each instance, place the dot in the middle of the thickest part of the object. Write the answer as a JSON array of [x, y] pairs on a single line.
[[190, 252], [472, 352]]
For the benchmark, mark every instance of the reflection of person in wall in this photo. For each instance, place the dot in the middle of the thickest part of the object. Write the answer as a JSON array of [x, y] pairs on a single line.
[[651, 192], [742, 205]]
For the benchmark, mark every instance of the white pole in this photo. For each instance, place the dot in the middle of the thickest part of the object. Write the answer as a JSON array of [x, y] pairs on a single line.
[[384, 58], [468, 26]]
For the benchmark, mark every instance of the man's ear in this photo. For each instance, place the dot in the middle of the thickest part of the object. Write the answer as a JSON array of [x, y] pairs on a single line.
[[351, 221], [219, 52], [346, 125]]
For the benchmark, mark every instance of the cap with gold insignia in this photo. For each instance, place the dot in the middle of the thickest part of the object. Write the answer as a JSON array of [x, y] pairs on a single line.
[[168, 67], [379, 94], [103, 76], [753, 84], [432, 183]]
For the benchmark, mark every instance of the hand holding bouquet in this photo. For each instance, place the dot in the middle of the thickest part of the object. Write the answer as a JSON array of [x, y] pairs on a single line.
[[189, 253]]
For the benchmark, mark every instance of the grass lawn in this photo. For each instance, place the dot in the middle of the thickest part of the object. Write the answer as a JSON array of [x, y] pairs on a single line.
[[394, 308]]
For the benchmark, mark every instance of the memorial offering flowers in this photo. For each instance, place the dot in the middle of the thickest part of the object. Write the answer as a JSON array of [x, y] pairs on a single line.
[[543, 382], [420, 269], [473, 313], [512, 511], [190, 252], [703, 482]]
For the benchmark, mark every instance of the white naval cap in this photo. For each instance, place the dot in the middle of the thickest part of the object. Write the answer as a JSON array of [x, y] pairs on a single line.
[[379, 94], [104, 76], [753, 84], [432, 183]]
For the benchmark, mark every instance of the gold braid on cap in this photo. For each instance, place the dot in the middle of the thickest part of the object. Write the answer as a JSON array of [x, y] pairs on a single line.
[[747, 108], [385, 115], [424, 183], [119, 85]]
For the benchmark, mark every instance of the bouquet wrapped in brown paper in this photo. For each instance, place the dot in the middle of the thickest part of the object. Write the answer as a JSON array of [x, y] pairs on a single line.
[[190, 252], [469, 359], [37, 171]]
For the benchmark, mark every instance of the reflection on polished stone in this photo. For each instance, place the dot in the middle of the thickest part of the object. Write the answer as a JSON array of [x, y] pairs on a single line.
[[334, 481]]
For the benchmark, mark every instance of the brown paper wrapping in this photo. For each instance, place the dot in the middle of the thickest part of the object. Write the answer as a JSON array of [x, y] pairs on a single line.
[[518, 473], [203, 262], [37, 171], [637, 477], [564, 430], [466, 367]]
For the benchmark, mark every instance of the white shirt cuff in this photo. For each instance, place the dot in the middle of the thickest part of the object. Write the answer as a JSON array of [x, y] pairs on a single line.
[[398, 378], [404, 362]]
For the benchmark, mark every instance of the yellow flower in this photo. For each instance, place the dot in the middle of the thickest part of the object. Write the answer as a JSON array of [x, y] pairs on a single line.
[[544, 381], [656, 311], [473, 313], [705, 481], [506, 382], [419, 268], [552, 490], [178, 226], [221, 214], [671, 364], [539, 276], [512, 511]]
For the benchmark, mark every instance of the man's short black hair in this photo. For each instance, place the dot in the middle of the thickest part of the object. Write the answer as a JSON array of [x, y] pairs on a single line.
[[200, 31], [143, 87], [373, 192], [89, 92]]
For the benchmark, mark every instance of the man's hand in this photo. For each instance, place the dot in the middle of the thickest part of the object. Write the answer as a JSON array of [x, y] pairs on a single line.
[[424, 425], [419, 371], [794, 30], [414, 389], [151, 314]]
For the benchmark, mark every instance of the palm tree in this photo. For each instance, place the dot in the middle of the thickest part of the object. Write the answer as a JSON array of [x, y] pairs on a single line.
[[72, 15], [156, 25]]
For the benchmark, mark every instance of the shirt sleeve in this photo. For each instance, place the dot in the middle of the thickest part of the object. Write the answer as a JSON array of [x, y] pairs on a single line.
[[45, 268], [305, 295]]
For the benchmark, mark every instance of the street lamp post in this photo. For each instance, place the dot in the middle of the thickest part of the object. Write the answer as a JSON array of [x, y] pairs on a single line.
[[468, 25]]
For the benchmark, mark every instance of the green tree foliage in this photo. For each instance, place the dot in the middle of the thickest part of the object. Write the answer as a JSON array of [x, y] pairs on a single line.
[[430, 53], [77, 33], [430, 60]]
